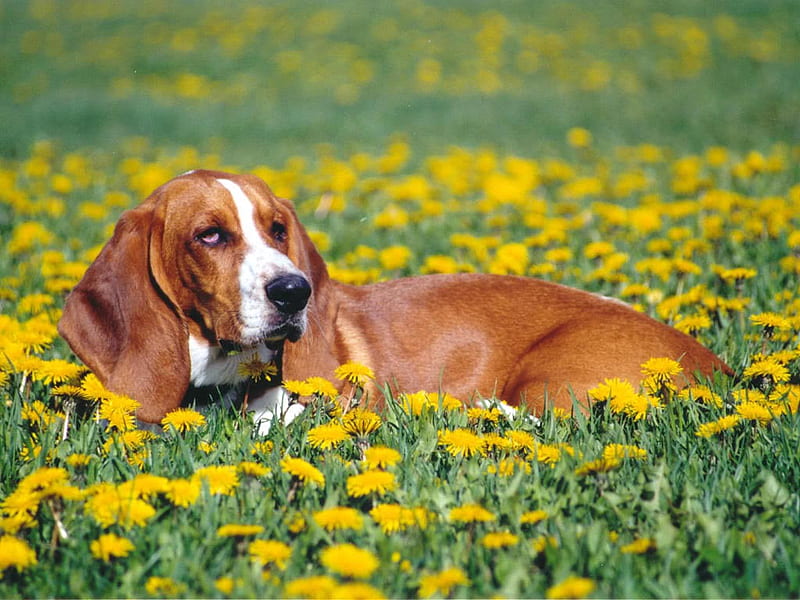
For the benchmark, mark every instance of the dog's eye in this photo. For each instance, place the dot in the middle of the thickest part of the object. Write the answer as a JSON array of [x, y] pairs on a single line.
[[279, 232], [213, 236]]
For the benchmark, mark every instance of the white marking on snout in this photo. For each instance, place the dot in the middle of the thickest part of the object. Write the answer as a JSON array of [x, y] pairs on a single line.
[[261, 265]]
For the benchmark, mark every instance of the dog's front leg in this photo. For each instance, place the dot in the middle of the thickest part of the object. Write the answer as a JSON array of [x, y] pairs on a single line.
[[272, 403]]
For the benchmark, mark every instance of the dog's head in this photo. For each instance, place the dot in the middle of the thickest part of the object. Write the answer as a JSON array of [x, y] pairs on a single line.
[[224, 258], [210, 255]]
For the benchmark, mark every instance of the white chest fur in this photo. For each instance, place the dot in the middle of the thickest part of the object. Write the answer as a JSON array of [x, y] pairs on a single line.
[[211, 366]]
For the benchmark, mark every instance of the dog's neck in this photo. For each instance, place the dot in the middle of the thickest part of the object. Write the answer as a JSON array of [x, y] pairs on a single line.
[[210, 365]]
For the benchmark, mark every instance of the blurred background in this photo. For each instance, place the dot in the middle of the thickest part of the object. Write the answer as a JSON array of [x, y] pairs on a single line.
[[261, 81]]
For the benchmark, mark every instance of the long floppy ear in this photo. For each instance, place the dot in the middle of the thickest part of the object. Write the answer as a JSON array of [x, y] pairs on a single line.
[[121, 324]]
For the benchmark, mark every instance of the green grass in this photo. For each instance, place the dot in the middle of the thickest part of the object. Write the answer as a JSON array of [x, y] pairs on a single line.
[[95, 116]]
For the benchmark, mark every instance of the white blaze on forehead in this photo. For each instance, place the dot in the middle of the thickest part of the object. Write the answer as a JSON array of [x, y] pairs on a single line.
[[261, 264]]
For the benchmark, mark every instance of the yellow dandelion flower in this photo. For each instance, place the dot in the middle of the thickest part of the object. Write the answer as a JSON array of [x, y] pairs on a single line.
[[316, 587], [327, 436], [34, 304], [64, 390], [381, 457], [15, 553], [522, 441], [263, 447], [639, 546], [611, 389], [357, 591], [661, 370], [442, 583], [77, 461], [370, 482], [508, 466], [532, 517], [145, 486], [541, 543], [735, 275], [462, 442], [755, 411], [571, 587], [320, 386], [253, 469], [419, 402], [394, 517], [601, 465], [298, 388], [348, 560], [164, 587], [44, 481], [338, 518], [93, 389], [256, 369], [111, 505], [239, 530], [701, 393], [183, 492], [355, 373], [618, 451], [206, 447], [269, 552], [471, 513], [394, 257], [183, 419], [295, 522], [39, 415], [119, 411], [110, 546], [767, 369], [707, 430], [302, 470], [496, 442], [221, 479], [770, 321], [499, 539], [14, 523], [634, 406], [578, 137], [360, 422], [57, 371], [225, 585], [489, 415], [415, 404], [562, 414]]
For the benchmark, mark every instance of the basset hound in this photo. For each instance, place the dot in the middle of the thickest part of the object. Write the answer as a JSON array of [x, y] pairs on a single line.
[[214, 262]]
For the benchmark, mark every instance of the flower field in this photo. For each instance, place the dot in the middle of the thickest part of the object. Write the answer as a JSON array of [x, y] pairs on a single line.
[[641, 155]]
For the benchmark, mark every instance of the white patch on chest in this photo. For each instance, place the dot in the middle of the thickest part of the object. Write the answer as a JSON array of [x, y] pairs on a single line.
[[261, 264], [211, 366]]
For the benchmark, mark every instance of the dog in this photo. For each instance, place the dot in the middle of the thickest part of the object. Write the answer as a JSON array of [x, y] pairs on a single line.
[[213, 269]]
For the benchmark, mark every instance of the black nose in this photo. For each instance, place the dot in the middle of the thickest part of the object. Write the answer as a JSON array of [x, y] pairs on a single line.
[[289, 293]]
